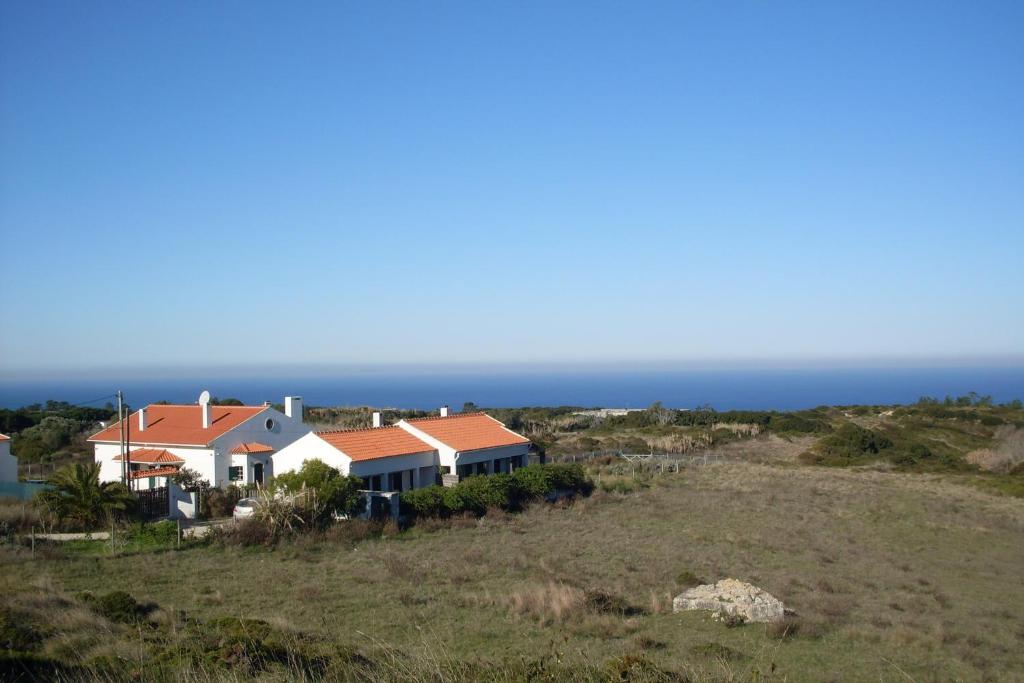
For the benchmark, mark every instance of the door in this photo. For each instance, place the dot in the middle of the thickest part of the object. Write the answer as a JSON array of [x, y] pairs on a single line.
[[257, 473]]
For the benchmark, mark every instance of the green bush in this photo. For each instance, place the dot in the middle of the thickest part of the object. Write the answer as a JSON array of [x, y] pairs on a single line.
[[425, 502], [117, 606], [851, 444], [532, 481], [338, 492], [162, 533], [504, 491]]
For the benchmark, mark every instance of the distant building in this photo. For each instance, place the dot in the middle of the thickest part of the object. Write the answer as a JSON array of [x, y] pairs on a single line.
[[223, 444], [8, 463], [413, 453]]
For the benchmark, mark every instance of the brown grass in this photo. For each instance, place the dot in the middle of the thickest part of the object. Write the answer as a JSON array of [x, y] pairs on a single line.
[[887, 573]]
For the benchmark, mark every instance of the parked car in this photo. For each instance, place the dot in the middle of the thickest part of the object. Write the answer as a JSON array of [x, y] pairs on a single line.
[[244, 508]]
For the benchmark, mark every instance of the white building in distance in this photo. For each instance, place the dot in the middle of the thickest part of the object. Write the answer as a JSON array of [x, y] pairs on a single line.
[[8, 463]]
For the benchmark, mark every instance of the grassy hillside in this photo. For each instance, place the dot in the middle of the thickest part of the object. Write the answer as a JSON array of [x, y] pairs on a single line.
[[892, 577]]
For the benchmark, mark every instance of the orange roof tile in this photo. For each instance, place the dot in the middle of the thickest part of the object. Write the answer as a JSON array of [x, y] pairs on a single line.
[[151, 455], [468, 431], [252, 447], [181, 425], [157, 472], [382, 442]]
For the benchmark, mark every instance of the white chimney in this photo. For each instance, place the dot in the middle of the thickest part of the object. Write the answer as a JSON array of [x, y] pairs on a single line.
[[142, 419], [293, 407], [207, 414], [444, 411], [376, 421]]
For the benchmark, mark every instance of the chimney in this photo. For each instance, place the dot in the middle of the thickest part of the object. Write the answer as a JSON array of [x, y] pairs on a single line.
[[207, 414], [444, 411], [293, 407], [142, 419], [376, 421]]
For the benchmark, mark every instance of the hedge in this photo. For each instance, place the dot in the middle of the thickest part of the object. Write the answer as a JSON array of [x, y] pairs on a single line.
[[505, 491]]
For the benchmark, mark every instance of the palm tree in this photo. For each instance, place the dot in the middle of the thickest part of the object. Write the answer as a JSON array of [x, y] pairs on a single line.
[[77, 495]]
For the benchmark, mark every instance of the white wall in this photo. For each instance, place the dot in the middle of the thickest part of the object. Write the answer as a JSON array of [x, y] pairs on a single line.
[[309, 447], [419, 466], [212, 463], [445, 453], [199, 459], [285, 432], [8, 463]]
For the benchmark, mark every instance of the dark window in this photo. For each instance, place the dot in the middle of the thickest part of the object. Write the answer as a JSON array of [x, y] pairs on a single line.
[[235, 473]]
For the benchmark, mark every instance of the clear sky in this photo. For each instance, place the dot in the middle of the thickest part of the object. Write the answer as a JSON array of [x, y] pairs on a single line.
[[191, 183]]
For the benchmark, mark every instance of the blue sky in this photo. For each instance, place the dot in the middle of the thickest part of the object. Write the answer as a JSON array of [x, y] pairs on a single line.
[[203, 184]]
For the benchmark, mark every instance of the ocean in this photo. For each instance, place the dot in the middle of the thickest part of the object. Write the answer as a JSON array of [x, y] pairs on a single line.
[[779, 389]]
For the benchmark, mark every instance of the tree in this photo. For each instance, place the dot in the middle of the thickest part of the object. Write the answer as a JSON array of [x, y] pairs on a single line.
[[190, 480], [338, 492], [77, 495]]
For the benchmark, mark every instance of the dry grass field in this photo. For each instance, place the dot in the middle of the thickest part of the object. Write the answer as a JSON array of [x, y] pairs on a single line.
[[892, 577]]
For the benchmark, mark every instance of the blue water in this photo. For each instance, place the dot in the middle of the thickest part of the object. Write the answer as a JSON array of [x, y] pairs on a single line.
[[781, 389]]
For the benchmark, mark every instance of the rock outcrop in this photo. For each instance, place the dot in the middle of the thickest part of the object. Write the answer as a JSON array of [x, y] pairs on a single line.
[[731, 597]]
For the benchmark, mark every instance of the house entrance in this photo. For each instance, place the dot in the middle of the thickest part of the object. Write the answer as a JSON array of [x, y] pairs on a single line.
[[257, 473]]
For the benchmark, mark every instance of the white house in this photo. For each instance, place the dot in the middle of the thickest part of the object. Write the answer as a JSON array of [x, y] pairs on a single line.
[[470, 443], [413, 453], [8, 463], [387, 458], [223, 444]]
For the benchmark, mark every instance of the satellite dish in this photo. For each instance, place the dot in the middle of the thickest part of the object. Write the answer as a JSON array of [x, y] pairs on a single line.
[[204, 398]]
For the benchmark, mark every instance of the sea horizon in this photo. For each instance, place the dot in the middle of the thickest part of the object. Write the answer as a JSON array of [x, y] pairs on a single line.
[[737, 388]]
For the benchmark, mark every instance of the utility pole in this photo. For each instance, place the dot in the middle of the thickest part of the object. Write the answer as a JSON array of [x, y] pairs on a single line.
[[128, 448], [120, 426]]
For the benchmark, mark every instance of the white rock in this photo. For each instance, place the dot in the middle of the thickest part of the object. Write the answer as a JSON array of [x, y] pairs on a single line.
[[732, 597]]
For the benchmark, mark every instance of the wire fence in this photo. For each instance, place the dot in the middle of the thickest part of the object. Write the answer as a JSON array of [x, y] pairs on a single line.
[[657, 460]]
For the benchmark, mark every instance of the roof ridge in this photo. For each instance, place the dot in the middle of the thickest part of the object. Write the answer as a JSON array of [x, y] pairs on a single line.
[[448, 417], [196, 405], [356, 429]]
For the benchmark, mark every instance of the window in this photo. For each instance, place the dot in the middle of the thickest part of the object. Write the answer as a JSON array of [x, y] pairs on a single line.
[[235, 473], [270, 424]]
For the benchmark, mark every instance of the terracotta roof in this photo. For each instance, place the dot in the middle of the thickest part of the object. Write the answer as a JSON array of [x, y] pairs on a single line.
[[468, 431], [4, 437], [252, 447], [181, 425], [382, 442], [157, 472], [151, 455]]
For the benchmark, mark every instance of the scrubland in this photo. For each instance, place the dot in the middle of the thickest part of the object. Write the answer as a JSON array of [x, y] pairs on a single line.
[[891, 576]]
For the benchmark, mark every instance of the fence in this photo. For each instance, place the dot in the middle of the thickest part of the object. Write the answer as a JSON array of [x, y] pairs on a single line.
[[655, 459], [153, 503], [21, 490]]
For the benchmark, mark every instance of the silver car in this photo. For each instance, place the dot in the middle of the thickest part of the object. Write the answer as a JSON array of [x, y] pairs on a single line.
[[244, 508]]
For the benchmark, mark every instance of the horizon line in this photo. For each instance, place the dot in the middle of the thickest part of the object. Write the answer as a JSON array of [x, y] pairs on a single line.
[[268, 370]]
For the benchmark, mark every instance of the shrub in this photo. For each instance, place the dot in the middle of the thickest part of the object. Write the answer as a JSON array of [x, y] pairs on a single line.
[[217, 502], [532, 481], [244, 532], [162, 533], [337, 492], [425, 502], [688, 579], [117, 606], [475, 495]]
